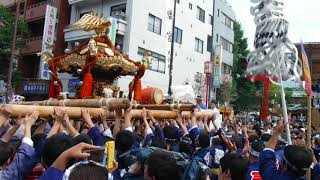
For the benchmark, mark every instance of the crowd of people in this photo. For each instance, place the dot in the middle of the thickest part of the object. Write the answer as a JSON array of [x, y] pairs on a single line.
[[58, 148]]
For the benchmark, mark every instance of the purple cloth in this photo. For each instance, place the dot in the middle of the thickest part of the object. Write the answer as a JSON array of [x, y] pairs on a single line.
[[4, 130], [52, 173], [253, 171], [268, 169], [23, 163], [316, 172], [147, 140], [159, 133], [96, 136], [194, 133]]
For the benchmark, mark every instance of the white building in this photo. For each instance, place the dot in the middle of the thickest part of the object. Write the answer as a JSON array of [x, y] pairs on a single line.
[[147, 24]]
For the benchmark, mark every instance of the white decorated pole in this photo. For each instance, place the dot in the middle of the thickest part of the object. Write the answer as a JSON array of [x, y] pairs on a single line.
[[275, 55], [285, 114]]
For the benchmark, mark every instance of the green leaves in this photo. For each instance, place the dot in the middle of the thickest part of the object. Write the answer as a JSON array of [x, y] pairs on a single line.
[[7, 23], [244, 92]]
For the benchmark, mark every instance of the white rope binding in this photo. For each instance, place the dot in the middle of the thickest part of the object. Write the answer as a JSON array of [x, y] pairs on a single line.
[[275, 55]]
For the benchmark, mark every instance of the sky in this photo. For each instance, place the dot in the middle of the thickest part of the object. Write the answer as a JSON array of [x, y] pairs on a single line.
[[303, 17]]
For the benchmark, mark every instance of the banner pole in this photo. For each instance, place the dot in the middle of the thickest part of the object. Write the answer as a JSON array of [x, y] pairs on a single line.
[[285, 112]]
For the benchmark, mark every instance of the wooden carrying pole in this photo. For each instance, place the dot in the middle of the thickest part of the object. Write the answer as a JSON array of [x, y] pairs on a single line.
[[167, 107], [75, 112], [110, 103]]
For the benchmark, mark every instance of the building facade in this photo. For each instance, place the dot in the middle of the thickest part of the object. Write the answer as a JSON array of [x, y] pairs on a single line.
[[29, 64], [147, 25]]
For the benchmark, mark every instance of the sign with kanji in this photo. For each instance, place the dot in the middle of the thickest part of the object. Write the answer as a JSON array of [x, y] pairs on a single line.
[[73, 84], [35, 88], [48, 38], [207, 67], [113, 29], [217, 63]]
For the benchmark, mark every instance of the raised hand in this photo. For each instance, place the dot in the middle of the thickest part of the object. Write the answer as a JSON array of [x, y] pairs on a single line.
[[75, 152], [127, 113], [149, 114], [31, 119], [279, 128], [205, 119], [102, 117], [18, 121], [118, 113], [59, 114], [85, 114], [144, 113], [28, 122], [115, 167], [78, 151], [6, 111], [86, 117]]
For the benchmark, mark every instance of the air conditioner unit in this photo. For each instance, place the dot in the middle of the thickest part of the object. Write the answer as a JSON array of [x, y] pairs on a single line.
[[119, 14]]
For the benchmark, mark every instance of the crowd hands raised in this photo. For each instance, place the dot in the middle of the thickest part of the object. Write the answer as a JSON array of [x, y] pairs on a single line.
[[183, 148]]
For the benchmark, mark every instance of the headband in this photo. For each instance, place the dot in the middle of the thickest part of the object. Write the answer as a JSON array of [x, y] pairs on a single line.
[[253, 152]]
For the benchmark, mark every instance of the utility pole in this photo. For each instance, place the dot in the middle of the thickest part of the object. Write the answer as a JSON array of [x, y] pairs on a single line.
[[25, 10], [212, 52], [13, 50], [172, 47]]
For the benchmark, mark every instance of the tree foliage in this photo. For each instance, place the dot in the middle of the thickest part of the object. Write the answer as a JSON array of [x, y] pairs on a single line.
[[7, 23], [228, 92], [246, 98], [275, 95]]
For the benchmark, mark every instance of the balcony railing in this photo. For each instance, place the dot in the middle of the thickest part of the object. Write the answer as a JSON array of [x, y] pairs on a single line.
[[82, 1], [33, 46], [8, 3], [38, 10]]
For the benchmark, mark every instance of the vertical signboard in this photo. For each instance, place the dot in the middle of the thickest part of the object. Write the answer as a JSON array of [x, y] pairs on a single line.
[[113, 29], [48, 38], [217, 63], [207, 67]]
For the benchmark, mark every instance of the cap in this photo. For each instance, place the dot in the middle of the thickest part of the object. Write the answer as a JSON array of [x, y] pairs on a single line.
[[302, 129]]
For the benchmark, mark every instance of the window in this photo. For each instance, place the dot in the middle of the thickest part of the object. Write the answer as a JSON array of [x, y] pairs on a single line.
[[177, 35], [201, 14], [118, 11], [84, 13], [218, 12], [226, 68], [210, 19], [226, 45], [190, 6], [158, 63], [154, 24], [227, 21], [199, 45], [217, 38], [178, 1], [209, 43]]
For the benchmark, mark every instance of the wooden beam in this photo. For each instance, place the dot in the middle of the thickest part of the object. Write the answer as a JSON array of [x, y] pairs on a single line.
[[75, 112]]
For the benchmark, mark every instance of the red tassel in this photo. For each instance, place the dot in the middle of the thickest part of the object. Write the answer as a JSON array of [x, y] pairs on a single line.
[[55, 88], [266, 98], [86, 87], [52, 90], [137, 90]]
